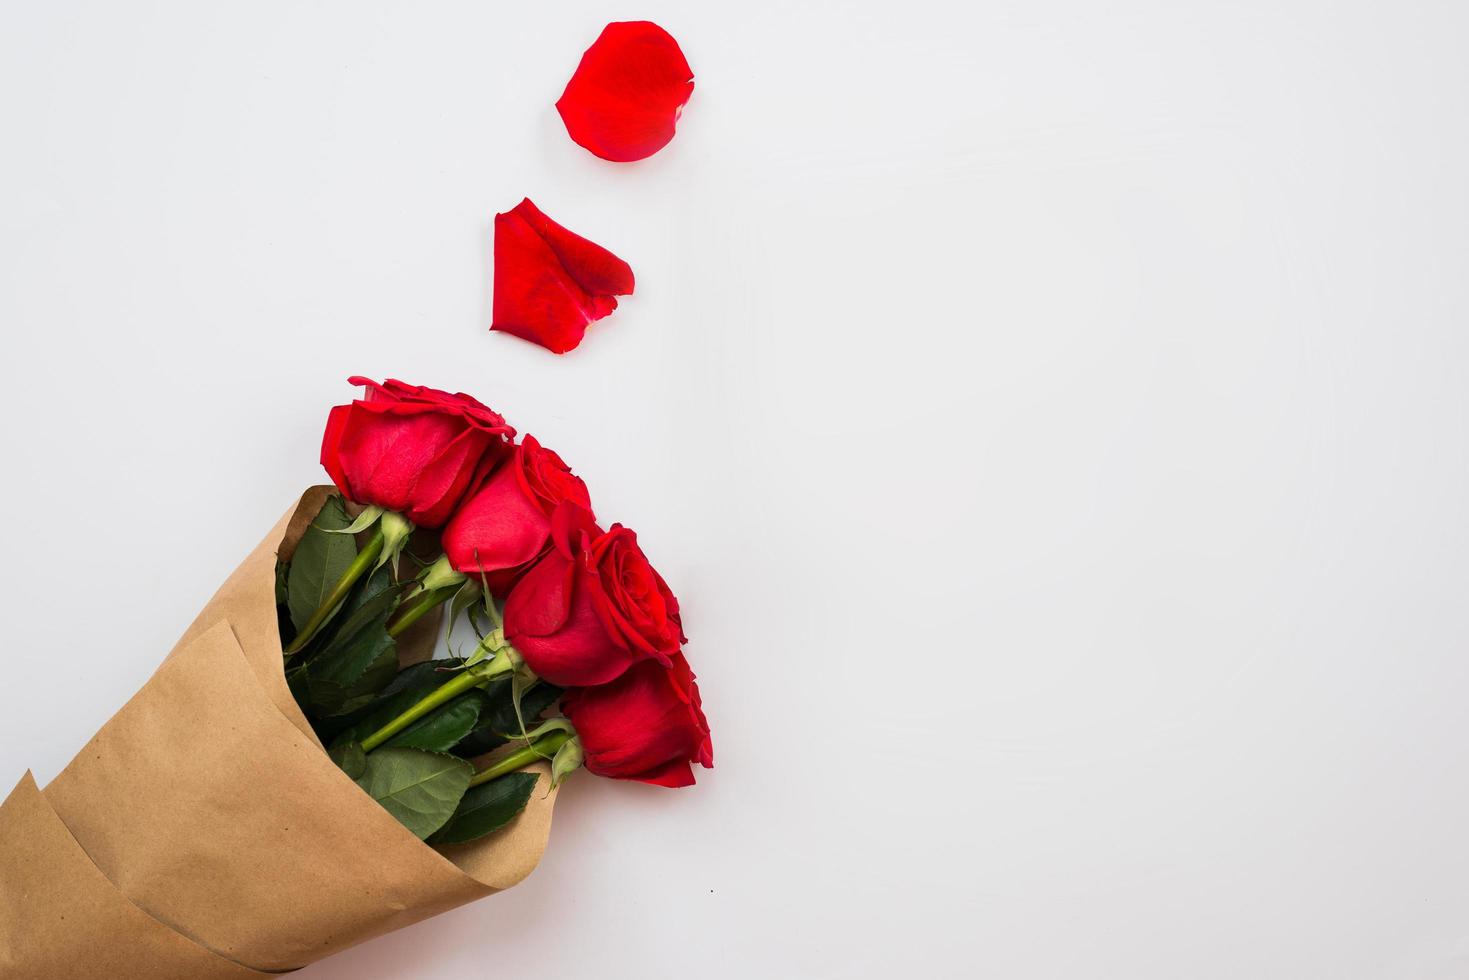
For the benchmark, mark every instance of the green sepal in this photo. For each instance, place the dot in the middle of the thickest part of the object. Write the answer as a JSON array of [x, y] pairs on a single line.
[[467, 596], [490, 645], [440, 574], [365, 520], [518, 685], [546, 728], [567, 761], [396, 530], [497, 618]]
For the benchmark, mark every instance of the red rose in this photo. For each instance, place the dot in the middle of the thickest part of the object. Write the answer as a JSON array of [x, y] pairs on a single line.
[[551, 282], [647, 725], [411, 450], [505, 525], [592, 606], [624, 100]]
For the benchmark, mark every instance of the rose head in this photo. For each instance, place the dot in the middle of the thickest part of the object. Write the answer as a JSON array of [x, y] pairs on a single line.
[[505, 524], [592, 606], [647, 725], [411, 450]]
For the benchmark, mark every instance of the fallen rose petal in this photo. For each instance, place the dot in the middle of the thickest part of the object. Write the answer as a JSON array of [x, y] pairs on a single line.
[[625, 97], [549, 282]]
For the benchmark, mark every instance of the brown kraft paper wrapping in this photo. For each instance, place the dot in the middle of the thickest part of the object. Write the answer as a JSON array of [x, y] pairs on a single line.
[[209, 806], [61, 918]]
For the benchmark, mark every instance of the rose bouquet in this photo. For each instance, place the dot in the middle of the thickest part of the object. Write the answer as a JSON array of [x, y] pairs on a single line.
[[302, 774]]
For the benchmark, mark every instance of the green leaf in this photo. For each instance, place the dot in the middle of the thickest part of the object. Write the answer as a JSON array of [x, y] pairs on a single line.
[[420, 789], [420, 678], [282, 609], [497, 722], [370, 587], [320, 560], [351, 677], [359, 661], [405, 690], [350, 758], [284, 625], [370, 592], [488, 807], [300, 685], [442, 730]]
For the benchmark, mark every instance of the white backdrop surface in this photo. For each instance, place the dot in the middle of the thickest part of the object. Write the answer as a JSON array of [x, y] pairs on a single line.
[[1051, 415]]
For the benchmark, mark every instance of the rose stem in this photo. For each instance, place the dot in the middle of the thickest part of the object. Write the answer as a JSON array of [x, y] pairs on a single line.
[[538, 751], [417, 607], [364, 560], [467, 679]]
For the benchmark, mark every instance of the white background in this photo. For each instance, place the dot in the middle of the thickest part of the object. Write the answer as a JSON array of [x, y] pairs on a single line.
[[1052, 416]]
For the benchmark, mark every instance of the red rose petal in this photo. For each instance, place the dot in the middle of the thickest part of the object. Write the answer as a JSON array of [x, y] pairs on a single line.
[[675, 774], [549, 282], [624, 100]]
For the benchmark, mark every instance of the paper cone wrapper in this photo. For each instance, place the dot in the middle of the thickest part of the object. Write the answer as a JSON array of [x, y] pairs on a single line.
[[204, 833]]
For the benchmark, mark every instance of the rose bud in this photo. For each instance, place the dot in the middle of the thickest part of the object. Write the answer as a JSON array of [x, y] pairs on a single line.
[[505, 525], [647, 725], [592, 606], [411, 450]]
